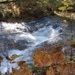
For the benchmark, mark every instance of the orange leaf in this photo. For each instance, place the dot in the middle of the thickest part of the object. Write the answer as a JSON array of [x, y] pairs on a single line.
[[68, 69], [23, 69], [41, 59], [21, 63], [50, 71], [58, 58], [15, 72], [56, 48]]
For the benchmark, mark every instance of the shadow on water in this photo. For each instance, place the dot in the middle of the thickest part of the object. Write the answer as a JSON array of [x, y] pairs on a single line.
[[3, 39]]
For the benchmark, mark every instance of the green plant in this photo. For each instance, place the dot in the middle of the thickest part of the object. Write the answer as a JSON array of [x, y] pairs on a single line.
[[66, 5], [55, 3]]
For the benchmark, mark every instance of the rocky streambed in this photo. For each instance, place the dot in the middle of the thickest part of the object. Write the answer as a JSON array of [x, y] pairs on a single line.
[[24, 38]]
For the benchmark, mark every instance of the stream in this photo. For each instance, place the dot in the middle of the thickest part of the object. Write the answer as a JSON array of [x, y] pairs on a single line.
[[24, 38]]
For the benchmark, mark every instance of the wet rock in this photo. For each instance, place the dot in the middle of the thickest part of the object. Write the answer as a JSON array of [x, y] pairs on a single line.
[[55, 26], [60, 31], [8, 15], [1, 17], [21, 44]]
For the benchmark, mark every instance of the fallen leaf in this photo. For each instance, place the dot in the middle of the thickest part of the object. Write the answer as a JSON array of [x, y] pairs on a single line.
[[68, 69], [15, 56], [22, 63], [50, 71], [23, 70], [57, 58], [63, 21], [15, 71], [41, 59], [56, 48]]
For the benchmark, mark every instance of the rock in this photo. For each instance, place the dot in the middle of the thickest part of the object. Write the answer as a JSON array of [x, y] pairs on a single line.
[[8, 15], [1, 17], [21, 44], [60, 31], [55, 26]]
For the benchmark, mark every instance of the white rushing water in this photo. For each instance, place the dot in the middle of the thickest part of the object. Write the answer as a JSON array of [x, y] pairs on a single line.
[[43, 34]]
